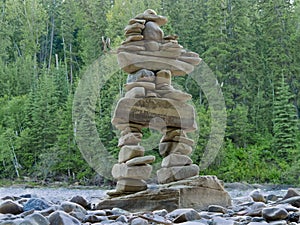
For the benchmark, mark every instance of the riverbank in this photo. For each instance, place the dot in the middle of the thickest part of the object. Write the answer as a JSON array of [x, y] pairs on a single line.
[[253, 204]]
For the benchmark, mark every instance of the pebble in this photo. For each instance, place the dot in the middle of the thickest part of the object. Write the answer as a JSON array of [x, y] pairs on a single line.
[[274, 213], [257, 196], [36, 204], [76, 211]]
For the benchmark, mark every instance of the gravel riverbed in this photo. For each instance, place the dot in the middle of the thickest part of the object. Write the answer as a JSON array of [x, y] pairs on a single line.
[[252, 205]]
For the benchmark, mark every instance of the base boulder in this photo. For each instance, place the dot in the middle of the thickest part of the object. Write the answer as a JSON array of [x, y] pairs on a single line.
[[197, 192]]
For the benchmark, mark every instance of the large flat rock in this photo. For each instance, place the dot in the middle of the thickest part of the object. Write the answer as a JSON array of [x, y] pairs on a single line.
[[197, 192], [131, 63], [160, 111]]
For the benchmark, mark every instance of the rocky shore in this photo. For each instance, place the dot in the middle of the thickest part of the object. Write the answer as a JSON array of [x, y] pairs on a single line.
[[254, 208]]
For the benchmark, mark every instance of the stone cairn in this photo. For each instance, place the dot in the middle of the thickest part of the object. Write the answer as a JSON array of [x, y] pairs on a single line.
[[151, 59]]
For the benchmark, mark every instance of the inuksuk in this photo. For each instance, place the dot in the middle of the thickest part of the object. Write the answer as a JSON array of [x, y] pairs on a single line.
[[151, 59]]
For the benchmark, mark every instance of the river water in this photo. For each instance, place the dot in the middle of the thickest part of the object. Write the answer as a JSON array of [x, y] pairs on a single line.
[[56, 195]]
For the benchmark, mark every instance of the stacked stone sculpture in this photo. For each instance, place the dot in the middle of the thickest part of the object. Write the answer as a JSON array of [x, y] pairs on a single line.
[[151, 59]]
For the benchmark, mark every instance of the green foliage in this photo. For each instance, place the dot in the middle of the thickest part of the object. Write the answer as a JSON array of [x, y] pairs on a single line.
[[249, 45], [285, 123]]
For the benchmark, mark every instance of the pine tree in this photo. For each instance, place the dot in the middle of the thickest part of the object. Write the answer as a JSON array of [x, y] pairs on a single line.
[[285, 123]]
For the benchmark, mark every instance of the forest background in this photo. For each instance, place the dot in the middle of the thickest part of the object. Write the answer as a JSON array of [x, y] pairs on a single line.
[[252, 46]]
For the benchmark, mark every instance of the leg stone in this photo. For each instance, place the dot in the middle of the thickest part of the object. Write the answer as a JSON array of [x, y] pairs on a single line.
[[167, 175]]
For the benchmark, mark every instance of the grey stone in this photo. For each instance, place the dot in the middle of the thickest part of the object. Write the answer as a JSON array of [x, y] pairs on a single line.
[[143, 110], [151, 15], [291, 193], [163, 77], [140, 160], [62, 218], [146, 85], [120, 171], [131, 62], [134, 26], [167, 148], [184, 215], [148, 200], [176, 160], [136, 37], [178, 95], [128, 152], [217, 208], [79, 200], [130, 185], [294, 201], [136, 92], [141, 21], [274, 213], [175, 173], [279, 222], [130, 139], [192, 60], [72, 207], [36, 204], [122, 219], [159, 54], [222, 221], [161, 212], [191, 223], [152, 46], [10, 207], [258, 223], [257, 196], [94, 218], [37, 219], [141, 75], [130, 48], [139, 221]]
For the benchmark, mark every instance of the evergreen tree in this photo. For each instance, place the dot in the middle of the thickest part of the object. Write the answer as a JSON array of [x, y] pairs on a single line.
[[285, 123]]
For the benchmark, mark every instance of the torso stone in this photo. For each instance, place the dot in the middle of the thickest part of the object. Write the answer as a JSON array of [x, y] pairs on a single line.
[[153, 32]]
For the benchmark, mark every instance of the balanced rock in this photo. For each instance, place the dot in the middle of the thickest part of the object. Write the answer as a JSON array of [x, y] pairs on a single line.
[[176, 160], [136, 92], [143, 110], [140, 160], [141, 75], [166, 148], [163, 54], [130, 139], [151, 15], [120, 171], [163, 77], [130, 185], [132, 21], [134, 26], [151, 46], [131, 48], [146, 85], [197, 192], [192, 60], [128, 152], [136, 37], [130, 62], [128, 129], [152, 32], [175, 173]]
